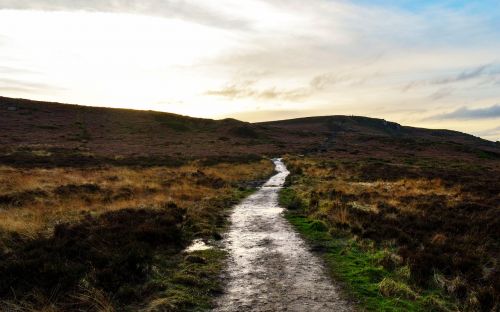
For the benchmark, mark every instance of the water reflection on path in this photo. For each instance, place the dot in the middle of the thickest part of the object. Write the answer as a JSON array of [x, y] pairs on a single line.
[[270, 267]]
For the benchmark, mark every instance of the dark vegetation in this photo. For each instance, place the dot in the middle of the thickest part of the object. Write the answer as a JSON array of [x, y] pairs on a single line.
[[438, 217], [112, 238], [362, 271], [113, 252]]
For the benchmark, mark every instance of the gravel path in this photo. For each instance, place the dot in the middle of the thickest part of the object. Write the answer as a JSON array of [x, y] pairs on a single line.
[[270, 267]]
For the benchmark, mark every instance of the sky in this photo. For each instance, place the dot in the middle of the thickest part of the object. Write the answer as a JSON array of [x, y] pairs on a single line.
[[433, 64]]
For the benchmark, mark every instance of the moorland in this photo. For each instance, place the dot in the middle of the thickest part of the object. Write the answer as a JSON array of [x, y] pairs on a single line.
[[98, 204]]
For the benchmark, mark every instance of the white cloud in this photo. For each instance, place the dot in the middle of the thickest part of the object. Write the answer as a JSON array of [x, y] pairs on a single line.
[[200, 12]]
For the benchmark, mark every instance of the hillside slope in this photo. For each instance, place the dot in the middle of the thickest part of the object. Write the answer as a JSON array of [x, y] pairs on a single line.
[[353, 134], [35, 132]]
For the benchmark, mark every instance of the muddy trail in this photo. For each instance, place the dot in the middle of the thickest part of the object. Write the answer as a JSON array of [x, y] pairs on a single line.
[[270, 267]]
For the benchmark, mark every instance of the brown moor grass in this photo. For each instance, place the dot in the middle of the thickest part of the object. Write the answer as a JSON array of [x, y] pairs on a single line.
[[35, 200]]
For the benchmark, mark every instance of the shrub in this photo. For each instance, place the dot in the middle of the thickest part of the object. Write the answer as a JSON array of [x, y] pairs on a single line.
[[21, 198]]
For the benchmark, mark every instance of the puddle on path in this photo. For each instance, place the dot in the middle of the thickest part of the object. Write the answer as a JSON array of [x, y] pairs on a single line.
[[197, 245]]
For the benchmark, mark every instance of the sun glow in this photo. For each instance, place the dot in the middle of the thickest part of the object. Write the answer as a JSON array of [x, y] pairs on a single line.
[[130, 60]]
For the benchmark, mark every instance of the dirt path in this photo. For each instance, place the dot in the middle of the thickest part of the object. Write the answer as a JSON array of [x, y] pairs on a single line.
[[270, 266]]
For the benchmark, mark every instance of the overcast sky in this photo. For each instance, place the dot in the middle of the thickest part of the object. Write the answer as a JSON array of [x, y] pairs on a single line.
[[425, 63]]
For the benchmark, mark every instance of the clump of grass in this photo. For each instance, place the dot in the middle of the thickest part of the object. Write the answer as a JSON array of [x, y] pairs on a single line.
[[95, 299], [290, 200], [43, 198], [434, 303], [391, 288]]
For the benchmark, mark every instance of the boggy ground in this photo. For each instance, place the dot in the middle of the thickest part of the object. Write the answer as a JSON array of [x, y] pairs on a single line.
[[111, 238], [403, 233]]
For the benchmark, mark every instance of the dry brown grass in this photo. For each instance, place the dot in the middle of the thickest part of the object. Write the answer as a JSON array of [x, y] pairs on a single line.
[[402, 194], [66, 194]]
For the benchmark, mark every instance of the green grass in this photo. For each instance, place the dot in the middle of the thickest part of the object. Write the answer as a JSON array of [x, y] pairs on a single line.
[[290, 200], [192, 285], [357, 269], [189, 285]]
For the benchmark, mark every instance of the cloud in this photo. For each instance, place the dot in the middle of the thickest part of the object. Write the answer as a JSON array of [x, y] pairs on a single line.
[[441, 94], [13, 85], [8, 70], [247, 90], [194, 11], [467, 113], [317, 54], [323, 81], [317, 84], [465, 75]]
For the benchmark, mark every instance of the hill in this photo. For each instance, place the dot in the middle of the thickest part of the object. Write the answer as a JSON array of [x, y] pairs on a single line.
[[354, 134], [43, 133]]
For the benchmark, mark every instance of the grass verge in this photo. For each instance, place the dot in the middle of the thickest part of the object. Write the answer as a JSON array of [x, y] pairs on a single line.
[[190, 281], [358, 268]]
